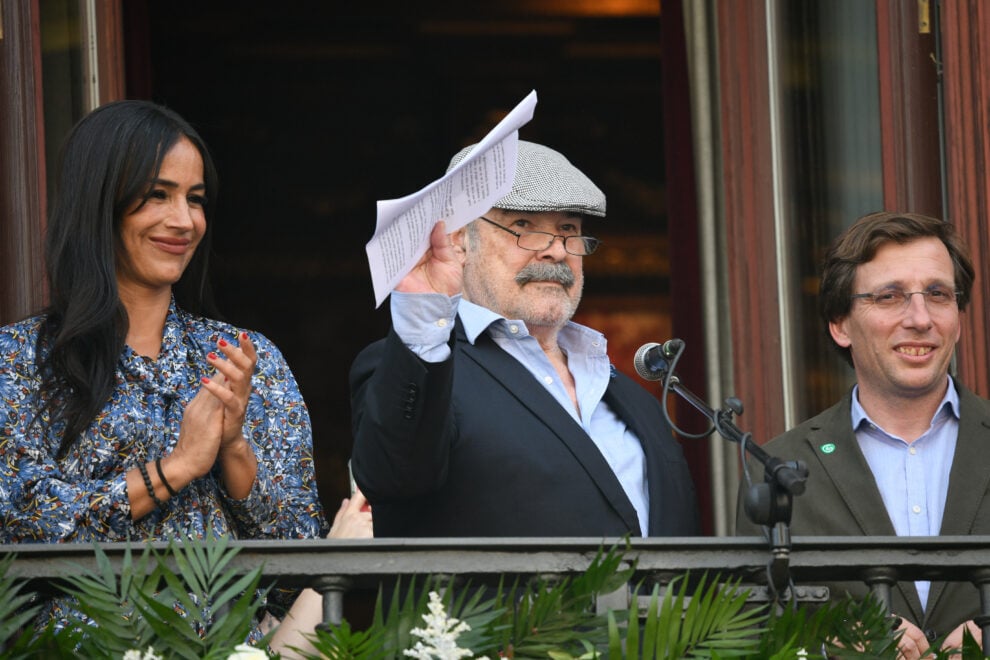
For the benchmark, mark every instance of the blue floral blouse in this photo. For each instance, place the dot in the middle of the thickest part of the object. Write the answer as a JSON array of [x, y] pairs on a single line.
[[83, 497]]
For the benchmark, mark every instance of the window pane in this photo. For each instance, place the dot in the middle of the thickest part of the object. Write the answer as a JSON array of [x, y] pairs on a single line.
[[832, 164], [62, 75]]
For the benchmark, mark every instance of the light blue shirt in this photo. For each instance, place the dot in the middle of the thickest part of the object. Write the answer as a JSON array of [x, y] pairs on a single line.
[[424, 323], [913, 478]]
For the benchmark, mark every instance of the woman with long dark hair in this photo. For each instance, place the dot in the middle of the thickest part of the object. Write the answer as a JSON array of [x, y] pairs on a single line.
[[125, 412]]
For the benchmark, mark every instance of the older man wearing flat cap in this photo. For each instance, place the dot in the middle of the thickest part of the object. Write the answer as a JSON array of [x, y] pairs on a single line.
[[486, 411]]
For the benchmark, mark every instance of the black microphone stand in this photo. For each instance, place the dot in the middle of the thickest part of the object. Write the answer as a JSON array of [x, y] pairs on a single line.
[[769, 503]]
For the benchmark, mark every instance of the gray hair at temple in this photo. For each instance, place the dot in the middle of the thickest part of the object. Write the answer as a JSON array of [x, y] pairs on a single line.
[[546, 182]]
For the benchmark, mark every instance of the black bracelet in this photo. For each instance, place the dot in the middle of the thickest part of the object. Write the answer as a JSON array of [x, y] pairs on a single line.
[[161, 475], [147, 483]]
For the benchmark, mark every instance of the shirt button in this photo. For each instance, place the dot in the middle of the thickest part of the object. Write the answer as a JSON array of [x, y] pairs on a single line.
[[442, 323], [916, 508], [548, 380], [912, 451], [514, 329]]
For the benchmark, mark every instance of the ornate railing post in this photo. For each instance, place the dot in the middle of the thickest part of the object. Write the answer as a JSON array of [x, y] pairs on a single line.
[[880, 580], [981, 578], [332, 588]]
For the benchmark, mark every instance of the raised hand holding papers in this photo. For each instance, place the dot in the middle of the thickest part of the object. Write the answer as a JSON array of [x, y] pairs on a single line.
[[402, 231]]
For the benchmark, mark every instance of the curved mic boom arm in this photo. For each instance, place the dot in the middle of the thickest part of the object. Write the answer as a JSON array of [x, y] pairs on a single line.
[[768, 503]]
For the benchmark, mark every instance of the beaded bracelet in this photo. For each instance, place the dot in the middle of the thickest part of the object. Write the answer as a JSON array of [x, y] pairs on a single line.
[[161, 475], [147, 483]]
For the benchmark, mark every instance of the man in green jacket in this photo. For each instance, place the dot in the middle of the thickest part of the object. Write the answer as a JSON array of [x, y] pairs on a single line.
[[905, 452]]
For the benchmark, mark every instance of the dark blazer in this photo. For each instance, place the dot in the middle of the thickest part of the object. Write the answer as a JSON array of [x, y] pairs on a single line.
[[842, 499], [474, 446]]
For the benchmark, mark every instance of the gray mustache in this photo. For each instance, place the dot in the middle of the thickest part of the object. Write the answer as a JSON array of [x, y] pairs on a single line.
[[541, 272]]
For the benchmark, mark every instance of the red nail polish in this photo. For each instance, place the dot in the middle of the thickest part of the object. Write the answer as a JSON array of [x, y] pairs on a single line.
[[243, 335], [222, 342], [211, 355], [205, 379]]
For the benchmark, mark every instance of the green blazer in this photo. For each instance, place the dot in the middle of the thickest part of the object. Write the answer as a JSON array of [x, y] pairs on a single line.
[[842, 499]]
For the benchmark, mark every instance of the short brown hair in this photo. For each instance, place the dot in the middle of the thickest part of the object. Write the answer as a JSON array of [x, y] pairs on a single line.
[[859, 244]]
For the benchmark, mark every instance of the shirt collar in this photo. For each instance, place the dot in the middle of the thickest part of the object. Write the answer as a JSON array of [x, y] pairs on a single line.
[[573, 336], [476, 318], [166, 373], [950, 401]]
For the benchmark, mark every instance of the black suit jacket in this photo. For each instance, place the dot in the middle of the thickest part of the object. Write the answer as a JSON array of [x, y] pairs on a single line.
[[474, 446], [842, 499]]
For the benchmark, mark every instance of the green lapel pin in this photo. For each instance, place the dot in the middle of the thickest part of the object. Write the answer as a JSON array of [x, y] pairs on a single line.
[[828, 448]]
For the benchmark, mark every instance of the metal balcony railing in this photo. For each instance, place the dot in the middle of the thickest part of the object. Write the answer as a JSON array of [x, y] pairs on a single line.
[[335, 566]]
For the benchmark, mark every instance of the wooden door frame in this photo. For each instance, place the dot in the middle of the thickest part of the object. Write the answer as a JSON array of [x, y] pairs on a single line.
[[23, 199], [22, 164], [909, 115], [965, 30], [751, 242]]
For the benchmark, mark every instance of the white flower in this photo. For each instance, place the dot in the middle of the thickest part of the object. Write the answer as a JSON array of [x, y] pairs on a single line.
[[801, 653], [135, 654], [247, 652], [439, 638]]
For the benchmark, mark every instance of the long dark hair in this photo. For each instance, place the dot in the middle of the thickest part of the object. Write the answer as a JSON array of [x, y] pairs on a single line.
[[106, 166]]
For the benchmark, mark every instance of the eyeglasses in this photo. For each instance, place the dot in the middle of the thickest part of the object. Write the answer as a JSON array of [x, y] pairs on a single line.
[[537, 241], [897, 300]]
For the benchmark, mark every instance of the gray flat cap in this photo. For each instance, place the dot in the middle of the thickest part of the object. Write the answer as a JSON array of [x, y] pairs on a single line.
[[546, 181]]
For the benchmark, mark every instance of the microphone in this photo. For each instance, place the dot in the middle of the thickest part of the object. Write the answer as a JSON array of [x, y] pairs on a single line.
[[652, 360]]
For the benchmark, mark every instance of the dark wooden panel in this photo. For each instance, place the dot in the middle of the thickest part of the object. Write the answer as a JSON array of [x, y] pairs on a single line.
[[909, 125], [110, 46], [749, 213], [966, 66], [22, 173], [685, 286]]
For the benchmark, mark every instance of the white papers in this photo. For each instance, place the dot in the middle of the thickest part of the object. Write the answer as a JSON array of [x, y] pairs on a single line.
[[402, 232]]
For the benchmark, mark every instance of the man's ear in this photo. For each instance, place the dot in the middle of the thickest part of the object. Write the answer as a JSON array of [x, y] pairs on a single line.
[[837, 329], [459, 240]]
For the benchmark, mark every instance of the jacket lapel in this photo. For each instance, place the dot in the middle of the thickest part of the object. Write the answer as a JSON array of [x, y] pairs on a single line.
[[968, 476], [619, 402], [845, 467], [521, 384]]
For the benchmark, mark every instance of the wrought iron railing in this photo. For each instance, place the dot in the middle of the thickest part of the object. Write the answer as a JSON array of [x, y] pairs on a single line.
[[336, 566]]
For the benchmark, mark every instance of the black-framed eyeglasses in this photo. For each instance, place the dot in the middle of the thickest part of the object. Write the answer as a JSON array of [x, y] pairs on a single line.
[[537, 241], [897, 300]]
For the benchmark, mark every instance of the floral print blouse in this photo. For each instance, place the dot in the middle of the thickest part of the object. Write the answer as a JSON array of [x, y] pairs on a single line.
[[83, 497]]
